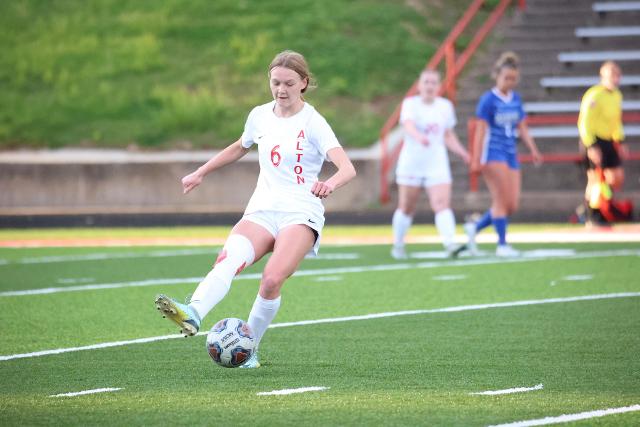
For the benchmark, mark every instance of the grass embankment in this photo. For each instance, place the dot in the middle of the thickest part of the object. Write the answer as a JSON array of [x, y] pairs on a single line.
[[185, 74]]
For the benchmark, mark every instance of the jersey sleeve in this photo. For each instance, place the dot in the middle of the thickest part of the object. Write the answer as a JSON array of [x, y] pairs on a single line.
[[407, 112], [484, 109], [322, 136], [248, 136]]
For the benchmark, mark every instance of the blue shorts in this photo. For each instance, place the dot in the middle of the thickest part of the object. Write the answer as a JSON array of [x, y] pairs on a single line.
[[511, 159]]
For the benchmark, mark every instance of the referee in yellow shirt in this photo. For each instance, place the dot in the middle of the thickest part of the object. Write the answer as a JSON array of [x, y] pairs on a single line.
[[600, 126]]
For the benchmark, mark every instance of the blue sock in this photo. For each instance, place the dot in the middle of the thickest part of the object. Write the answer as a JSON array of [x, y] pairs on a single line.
[[500, 224], [484, 221]]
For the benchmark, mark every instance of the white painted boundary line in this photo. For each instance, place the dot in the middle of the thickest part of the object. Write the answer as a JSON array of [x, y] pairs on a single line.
[[82, 393], [291, 391], [330, 271], [101, 256], [509, 390], [88, 347], [337, 320], [571, 417]]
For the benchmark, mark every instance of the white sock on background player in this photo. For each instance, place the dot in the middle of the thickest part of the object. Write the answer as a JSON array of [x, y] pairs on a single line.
[[400, 224], [237, 254], [446, 225]]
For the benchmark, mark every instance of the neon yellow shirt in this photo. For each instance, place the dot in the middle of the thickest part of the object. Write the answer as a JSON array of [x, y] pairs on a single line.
[[600, 115]]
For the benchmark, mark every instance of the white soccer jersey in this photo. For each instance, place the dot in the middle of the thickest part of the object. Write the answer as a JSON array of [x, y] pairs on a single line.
[[291, 152], [417, 160]]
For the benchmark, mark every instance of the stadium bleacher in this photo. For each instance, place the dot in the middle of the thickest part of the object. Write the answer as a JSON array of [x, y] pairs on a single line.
[[584, 81], [619, 6]]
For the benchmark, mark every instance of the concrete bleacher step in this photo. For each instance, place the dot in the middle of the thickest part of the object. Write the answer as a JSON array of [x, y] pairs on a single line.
[[599, 56], [584, 81], [616, 6], [545, 29], [554, 107], [618, 31], [572, 131]]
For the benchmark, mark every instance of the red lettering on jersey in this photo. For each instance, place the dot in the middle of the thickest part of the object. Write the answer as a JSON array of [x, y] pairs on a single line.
[[298, 168]]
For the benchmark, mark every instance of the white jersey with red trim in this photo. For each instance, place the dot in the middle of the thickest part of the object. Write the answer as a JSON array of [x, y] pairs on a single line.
[[431, 120], [291, 152]]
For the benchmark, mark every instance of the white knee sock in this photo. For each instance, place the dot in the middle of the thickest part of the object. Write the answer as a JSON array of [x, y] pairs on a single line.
[[262, 314], [400, 223], [237, 254], [446, 225]]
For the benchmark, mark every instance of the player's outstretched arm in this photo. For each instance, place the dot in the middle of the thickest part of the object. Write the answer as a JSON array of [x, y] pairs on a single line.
[[453, 144], [229, 155], [523, 130], [482, 127], [410, 128], [346, 172]]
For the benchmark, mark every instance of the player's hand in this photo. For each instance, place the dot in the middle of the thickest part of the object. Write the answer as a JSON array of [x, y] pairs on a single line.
[[537, 158], [191, 181], [475, 166], [322, 189], [424, 140], [465, 158]]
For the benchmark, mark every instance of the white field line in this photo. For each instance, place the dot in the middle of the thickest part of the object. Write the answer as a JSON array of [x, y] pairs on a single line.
[[107, 256], [101, 256], [573, 278], [571, 417], [81, 393], [508, 390], [329, 271], [449, 277], [290, 391], [339, 319], [328, 279], [578, 277]]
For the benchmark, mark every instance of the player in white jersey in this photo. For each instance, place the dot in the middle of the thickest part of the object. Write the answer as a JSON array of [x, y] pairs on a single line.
[[285, 215], [428, 121]]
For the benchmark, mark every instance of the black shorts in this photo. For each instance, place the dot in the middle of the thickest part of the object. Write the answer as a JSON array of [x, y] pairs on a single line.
[[610, 156]]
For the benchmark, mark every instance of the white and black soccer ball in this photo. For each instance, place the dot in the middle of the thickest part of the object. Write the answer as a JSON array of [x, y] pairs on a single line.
[[230, 342]]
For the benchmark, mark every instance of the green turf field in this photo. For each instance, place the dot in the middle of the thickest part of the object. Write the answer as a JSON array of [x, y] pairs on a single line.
[[567, 318]]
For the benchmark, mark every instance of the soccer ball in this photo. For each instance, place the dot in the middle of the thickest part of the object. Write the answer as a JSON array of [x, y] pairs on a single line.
[[230, 342]]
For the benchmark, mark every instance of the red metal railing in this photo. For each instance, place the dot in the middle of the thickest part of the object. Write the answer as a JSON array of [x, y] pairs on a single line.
[[453, 68]]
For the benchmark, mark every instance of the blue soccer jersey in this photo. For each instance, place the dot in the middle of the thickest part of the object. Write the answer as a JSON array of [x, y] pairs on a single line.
[[503, 115]]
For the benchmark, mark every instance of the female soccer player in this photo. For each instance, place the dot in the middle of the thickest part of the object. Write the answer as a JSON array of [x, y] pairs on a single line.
[[428, 122], [285, 214], [500, 113]]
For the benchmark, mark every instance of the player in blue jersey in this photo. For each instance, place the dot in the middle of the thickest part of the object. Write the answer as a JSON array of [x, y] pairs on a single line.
[[500, 120]]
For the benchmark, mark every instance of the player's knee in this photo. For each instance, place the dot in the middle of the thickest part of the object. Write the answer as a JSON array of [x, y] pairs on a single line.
[[237, 254], [408, 211], [271, 283], [439, 205]]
